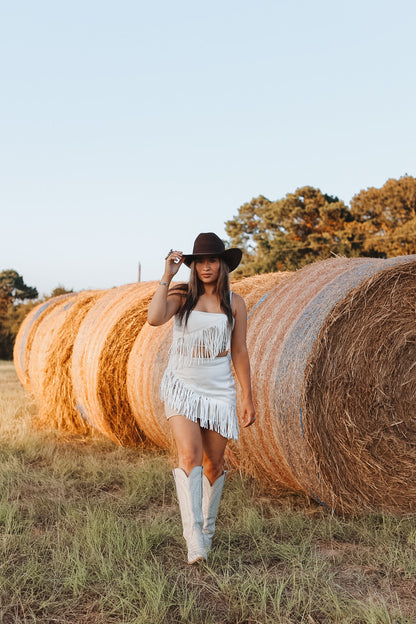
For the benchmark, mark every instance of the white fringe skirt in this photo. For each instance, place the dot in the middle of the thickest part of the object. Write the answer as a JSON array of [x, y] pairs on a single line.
[[204, 393]]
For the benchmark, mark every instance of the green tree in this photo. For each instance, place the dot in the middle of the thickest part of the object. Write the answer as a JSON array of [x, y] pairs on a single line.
[[9, 326], [12, 291], [13, 287], [290, 232]]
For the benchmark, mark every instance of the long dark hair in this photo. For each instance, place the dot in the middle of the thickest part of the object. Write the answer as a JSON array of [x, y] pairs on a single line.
[[192, 291]]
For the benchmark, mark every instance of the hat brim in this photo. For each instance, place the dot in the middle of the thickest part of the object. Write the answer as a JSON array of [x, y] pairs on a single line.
[[231, 256]]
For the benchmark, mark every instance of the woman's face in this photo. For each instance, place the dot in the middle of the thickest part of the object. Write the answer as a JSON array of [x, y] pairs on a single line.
[[207, 269]]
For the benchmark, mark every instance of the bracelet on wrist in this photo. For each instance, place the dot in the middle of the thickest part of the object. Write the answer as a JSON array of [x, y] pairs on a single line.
[[163, 283]]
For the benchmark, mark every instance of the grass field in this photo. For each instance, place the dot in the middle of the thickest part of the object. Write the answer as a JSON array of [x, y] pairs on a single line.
[[90, 532]]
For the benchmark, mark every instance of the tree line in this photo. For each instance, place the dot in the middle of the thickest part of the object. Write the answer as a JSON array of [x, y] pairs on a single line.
[[308, 225], [279, 235]]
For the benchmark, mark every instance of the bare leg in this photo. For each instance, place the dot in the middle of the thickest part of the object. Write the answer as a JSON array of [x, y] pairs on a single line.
[[212, 481], [188, 481], [213, 445], [188, 439]]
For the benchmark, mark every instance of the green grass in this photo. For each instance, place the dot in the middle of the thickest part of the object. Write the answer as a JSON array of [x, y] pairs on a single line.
[[90, 533]]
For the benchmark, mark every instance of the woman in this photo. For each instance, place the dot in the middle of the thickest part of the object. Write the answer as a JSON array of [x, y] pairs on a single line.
[[198, 387]]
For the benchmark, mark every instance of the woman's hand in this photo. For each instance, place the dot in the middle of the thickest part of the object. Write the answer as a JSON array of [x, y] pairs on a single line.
[[174, 259], [248, 417], [162, 308]]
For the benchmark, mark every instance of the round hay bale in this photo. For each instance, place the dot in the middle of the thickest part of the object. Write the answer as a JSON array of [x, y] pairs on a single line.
[[149, 357], [99, 360], [57, 402], [359, 392], [26, 333], [281, 336]]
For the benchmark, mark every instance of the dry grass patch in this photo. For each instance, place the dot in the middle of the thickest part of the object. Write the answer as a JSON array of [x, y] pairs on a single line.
[[90, 533]]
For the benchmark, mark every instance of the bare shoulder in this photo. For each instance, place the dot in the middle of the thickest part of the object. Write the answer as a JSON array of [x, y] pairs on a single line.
[[238, 304]]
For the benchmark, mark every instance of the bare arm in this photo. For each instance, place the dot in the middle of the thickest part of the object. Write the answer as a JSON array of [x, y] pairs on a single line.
[[162, 307], [241, 360]]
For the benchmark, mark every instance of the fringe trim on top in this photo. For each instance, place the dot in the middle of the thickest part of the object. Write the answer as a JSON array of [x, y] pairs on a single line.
[[192, 347], [212, 414]]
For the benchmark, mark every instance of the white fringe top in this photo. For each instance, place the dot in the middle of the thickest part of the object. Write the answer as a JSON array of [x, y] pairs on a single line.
[[205, 335]]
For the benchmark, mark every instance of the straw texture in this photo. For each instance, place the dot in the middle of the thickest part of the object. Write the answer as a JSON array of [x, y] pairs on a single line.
[[255, 290], [359, 397], [57, 403], [146, 365], [282, 333], [101, 350], [27, 330], [42, 341]]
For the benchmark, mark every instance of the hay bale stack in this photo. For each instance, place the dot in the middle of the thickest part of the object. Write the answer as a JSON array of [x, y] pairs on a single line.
[[288, 444], [99, 361], [57, 403], [333, 356], [27, 330], [149, 358]]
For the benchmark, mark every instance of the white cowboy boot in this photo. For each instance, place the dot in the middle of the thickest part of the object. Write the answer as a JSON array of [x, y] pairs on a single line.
[[211, 495], [189, 490]]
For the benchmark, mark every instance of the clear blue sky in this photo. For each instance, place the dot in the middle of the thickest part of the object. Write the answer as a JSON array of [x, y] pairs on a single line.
[[128, 127]]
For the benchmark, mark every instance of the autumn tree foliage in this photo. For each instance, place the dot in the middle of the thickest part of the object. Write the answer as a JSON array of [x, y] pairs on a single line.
[[308, 225], [384, 220]]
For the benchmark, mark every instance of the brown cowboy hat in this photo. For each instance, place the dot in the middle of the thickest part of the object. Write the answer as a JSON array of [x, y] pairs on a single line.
[[209, 244]]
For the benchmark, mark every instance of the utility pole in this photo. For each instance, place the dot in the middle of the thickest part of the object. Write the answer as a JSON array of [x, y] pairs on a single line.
[[139, 273]]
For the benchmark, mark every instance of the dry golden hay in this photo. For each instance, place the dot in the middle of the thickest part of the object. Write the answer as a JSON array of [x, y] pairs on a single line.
[[57, 402], [26, 333], [99, 360], [315, 414], [43, 340], [359, 391], [149, 358], [255, 290], [112, 381], [147, 362]]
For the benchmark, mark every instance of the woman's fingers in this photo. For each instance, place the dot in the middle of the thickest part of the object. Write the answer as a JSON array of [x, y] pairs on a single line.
[[248, 419], [174, 259], [175, 256]]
